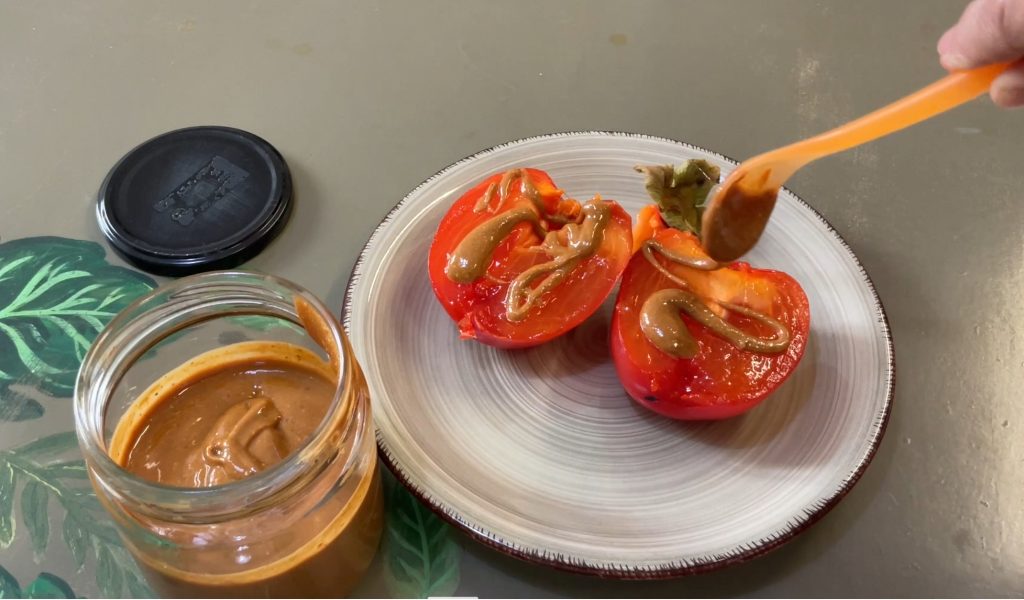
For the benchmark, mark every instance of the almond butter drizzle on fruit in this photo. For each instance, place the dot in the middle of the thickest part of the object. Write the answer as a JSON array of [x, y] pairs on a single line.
[[567, 247], [473, 255], [662, 324]]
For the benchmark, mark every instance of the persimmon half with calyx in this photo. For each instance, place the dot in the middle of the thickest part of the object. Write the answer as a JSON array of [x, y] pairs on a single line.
[[516, 263], [693, 339]]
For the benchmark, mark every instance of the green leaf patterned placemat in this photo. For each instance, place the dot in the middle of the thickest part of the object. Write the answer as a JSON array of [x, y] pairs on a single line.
[[56, 495], [46, 585], [56, 295], [421, 558]]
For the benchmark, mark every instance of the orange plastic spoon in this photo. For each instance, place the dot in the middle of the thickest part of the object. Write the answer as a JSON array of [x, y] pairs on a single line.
[[738, 212]]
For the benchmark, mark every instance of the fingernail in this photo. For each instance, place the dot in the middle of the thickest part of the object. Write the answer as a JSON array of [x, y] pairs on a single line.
[[954, 62], [944, 42], [1008, 89]]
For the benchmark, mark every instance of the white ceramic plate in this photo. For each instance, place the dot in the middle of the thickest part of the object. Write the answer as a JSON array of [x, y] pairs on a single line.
[[541, 454]]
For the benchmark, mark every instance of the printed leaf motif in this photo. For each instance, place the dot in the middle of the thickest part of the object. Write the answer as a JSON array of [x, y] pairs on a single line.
[[48, 585], [49, 448], [9, 587], [56, 295], [263, 323], [136, 587], [6, 505], [50, 469], [15, 406], [421, 558], [75, 538], [108, 573], [34, 501], [259, 323]]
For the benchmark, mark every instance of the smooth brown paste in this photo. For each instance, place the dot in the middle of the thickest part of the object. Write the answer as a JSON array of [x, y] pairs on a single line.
[[580, 241], [226, 425], [652, 247], [567, 247], [472, 256], [223, 416], [734, 221], [504, 187], [662, 324]]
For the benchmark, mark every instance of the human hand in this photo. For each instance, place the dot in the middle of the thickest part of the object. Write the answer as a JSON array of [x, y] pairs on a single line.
[[989, 31]]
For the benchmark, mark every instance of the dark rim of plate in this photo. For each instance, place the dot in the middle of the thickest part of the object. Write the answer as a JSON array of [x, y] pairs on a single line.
[[810, 515]]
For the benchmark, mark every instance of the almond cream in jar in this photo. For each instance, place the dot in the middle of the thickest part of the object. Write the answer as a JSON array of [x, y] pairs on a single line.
[[226, 428]]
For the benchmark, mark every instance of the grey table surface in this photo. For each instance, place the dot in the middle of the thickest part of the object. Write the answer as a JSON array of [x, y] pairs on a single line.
[[367, 99]]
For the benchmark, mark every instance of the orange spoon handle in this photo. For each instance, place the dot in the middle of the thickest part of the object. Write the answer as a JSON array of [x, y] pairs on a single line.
[[946, 93]]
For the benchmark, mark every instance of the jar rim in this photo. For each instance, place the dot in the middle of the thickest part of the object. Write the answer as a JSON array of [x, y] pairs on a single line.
[[94, 389]]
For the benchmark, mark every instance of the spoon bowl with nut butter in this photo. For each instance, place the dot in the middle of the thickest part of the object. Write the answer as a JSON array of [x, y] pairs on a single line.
[[738, 211]]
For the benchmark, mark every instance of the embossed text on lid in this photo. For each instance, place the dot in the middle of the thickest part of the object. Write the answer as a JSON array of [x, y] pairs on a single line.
[[195, 199]]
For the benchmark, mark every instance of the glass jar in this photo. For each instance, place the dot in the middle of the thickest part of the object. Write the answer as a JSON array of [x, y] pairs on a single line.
[[308, 525]]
